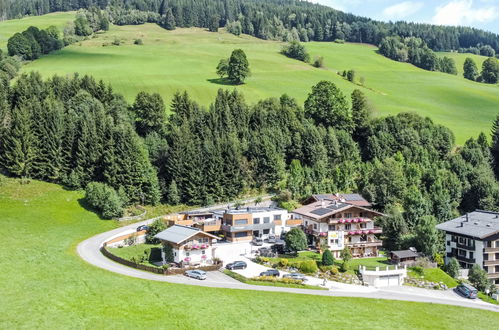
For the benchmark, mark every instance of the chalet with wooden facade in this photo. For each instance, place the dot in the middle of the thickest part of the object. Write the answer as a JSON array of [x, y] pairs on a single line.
[[189, 245], [340, 224]]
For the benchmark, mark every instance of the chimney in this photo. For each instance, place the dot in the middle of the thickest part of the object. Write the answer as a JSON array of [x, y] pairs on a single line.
[[323, 203], [467, 218], [461, 224]]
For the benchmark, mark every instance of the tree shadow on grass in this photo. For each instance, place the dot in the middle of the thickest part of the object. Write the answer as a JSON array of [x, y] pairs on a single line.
[[222, 81], [83, 203]]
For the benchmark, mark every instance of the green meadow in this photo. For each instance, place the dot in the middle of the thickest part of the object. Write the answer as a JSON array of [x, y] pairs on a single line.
[[185, 59], [8, 28], [44, 284]]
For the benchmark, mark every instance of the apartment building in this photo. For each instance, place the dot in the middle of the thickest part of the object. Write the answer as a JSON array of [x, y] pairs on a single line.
[[473, 238]]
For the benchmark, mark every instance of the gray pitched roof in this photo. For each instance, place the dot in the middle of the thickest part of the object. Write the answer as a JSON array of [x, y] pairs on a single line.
[[405, 254], [479, 224], [177, 234]]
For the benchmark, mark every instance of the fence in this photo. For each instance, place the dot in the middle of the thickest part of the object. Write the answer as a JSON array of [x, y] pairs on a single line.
[[168, 271], [135, 217]]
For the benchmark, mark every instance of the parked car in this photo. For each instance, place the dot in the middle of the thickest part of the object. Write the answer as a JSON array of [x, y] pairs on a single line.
[[270, 272], [272, 238], [467, 290], [143, 227], [197, 274], [257, 241], [296, 276], [236, 265]]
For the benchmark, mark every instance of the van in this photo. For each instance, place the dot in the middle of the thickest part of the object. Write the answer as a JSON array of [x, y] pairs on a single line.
[[467, 290], [257, 241]]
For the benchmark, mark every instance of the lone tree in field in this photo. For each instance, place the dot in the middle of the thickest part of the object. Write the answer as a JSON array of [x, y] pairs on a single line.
[[222, 67], [296, 240], [470, 69], [238, 67]]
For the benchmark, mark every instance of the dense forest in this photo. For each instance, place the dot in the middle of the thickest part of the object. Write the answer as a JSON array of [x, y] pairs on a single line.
[[268, 19]]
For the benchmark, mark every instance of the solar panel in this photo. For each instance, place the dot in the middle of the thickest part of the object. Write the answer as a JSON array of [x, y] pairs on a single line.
[[321, 211]]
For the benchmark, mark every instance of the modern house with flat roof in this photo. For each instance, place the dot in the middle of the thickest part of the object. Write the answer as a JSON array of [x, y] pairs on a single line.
[[189, 245], [341, 224], [472, 239]]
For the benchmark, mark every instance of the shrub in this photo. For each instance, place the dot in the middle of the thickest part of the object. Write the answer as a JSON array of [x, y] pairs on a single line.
[[339, 41], [138, 42], [168, 253], [296, 50], [283, 262], [478, 278], [131, 240], [335, 270], [351, 75], [327, 258], [418, 270], [116, 42], [319, 62], [308, 266], [104, 199], [452, 268]]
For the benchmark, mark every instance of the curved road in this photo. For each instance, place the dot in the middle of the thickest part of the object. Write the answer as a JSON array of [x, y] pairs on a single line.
[[89, 250]]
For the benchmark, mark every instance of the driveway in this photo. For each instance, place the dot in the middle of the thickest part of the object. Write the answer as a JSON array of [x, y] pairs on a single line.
[[89, 250]]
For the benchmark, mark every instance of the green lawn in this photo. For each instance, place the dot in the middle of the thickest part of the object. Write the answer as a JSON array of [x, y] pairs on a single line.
[[137, 251], [10, 27], [44, 284], [435, 275], [185, 59]]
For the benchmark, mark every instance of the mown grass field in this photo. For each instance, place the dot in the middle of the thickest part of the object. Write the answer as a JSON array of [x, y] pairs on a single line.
[[8, 28], [44, 284], [185, 59]]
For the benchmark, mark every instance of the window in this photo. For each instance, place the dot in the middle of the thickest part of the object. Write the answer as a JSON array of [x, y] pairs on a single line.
[[471, 255], [203, 252], [461, 253], [334, 241], [266, 220], [315, 226], [187, 254], [277, 217], [348, 226], [362, 225], [348, 215], [240, 234], [361, 214], [256, 221], [241, 222], [332, 227], [174, 254], [266, 231]]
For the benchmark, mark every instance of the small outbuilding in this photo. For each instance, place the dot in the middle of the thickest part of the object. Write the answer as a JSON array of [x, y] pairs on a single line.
[[404, 257], [186, 246]]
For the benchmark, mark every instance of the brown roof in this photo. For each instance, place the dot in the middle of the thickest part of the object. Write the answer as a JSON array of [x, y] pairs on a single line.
[[326, 208]]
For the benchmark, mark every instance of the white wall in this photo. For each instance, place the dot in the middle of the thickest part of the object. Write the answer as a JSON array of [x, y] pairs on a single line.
[[195, 255]]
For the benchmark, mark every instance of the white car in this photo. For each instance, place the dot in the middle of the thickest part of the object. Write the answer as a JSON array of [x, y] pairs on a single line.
[[197, 274]]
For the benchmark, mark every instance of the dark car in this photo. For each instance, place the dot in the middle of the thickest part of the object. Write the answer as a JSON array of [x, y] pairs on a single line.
[[296, 276], [467, 290], [272, 238], [270, 272], [236, 265], [143, 227]]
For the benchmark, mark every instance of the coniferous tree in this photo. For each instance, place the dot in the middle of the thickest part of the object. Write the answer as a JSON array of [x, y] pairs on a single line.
[[167, 20], [150, 113], [173, 197]]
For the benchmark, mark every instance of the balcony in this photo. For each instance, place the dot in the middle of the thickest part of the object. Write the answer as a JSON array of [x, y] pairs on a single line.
[[491, 262], [209, 226], [465, 247], [461, 258], [364, 231], [493, 275], [370, 243], [293, 222], [249, 227], [491, 249], [349, 220]]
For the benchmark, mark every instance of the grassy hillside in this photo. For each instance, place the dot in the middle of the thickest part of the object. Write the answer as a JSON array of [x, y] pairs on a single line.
[[8, 28], [185, 59], [44, 284]]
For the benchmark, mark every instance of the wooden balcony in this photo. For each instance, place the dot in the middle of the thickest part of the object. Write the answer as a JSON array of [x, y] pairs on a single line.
[[333, 221], [493, 275], [491, 250], [491, 262], [366, 243], [293, 222], [278, 222]]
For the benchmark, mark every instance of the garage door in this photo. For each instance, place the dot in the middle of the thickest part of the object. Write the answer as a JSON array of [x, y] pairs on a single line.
[[388, 280]]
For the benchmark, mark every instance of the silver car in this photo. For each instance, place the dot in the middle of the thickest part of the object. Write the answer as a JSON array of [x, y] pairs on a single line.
[[197, 274], [296, 276]]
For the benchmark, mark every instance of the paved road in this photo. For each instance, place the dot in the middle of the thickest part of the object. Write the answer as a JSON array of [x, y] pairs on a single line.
[[89, 250]]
